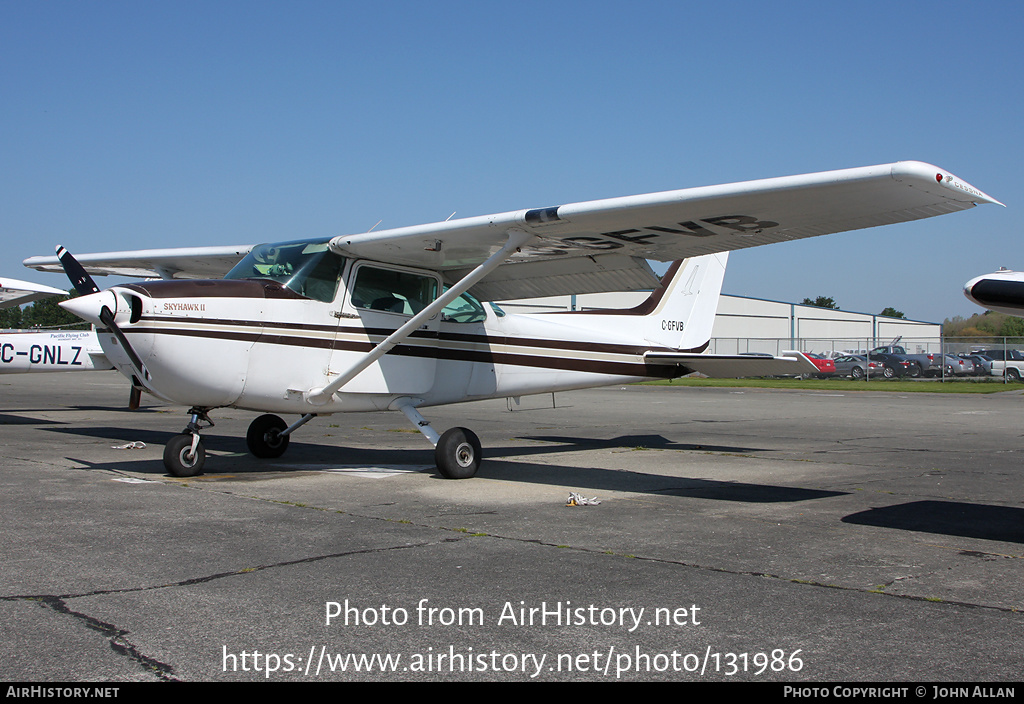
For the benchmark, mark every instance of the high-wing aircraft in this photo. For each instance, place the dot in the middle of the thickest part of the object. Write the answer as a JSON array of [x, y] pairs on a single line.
[[393, 319], [1001, 291], [49, 351]]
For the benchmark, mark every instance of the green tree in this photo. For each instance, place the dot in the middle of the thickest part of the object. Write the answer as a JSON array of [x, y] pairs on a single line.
[[1012, 327], [47, 313], [822, 302], [893, 313], [10, 318]]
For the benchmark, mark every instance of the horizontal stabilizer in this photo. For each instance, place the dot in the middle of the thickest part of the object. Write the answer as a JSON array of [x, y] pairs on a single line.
[[734, 365]]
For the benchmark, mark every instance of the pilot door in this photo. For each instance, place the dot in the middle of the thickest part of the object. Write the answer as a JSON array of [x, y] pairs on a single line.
[[380, 300]]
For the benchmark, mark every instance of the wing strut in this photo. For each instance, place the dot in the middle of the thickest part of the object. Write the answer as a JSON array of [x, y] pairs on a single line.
[[516, 239]]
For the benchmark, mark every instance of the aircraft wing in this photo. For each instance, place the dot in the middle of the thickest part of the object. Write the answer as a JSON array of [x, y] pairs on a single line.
[[602, 245], [16, 293], [178, 263], [735, 365]]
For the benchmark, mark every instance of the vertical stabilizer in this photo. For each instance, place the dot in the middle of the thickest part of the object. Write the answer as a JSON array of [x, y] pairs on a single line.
[[685, 314], [678, 315]]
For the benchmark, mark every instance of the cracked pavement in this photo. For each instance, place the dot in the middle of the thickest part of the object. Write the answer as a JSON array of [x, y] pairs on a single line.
[[878, 535]]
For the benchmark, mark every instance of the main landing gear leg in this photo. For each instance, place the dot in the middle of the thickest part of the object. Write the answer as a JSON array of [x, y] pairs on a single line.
[[184, 454], [456, 452]]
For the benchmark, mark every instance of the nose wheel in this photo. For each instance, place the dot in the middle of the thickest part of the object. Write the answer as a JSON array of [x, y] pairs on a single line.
[[184, 454]]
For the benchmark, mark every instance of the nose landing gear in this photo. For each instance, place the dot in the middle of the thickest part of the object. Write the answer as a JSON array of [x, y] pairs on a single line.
[[184, 454]]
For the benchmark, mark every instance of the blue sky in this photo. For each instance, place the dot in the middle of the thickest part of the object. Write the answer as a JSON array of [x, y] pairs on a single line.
[[127, 125]]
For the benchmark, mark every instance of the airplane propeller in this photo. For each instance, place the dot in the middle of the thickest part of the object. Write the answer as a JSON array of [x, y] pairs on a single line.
[[90, 298], [80, 278]]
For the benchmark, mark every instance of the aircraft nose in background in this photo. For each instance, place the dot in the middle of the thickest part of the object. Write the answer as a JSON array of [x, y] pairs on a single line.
[[1002, 291], [88, 308]]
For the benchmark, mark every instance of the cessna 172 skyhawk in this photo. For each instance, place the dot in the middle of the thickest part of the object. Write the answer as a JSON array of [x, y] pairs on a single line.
[[392, 320]]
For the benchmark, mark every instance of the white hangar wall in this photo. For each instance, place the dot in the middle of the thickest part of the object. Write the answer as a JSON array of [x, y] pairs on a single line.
[[758, 325], [753, 324]]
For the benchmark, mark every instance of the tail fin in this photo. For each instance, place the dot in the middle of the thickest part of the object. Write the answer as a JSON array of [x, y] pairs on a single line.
[[678, 315], [681, 313]]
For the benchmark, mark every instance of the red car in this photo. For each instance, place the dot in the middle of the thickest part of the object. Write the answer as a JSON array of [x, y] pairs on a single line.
[[826, 367]]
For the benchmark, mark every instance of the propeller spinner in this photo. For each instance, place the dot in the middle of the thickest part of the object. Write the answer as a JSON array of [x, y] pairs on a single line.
[[95, 306]]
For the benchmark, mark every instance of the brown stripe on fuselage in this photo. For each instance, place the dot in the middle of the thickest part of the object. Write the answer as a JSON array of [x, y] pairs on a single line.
[[213, 288], [441, 352], [645, 307], [443, 336]]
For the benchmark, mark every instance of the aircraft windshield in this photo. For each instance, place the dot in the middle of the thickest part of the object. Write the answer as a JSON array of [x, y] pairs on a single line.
[[308, 268]]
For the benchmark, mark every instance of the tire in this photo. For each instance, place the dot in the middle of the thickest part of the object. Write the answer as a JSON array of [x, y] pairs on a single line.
[[857, 373], [1012, 373], [178, 460], [264, 439], [888, 372], [457, 454], [915, 371]]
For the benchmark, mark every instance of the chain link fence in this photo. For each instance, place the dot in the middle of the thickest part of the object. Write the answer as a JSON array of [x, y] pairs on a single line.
[[1007, 353]]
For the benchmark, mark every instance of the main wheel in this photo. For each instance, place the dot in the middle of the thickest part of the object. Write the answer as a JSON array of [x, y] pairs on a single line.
[[457, 453], [179, 459], [264, 437]]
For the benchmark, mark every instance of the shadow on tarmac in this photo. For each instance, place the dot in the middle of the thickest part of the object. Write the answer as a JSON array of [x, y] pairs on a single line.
[[983, 521], [227, 455]]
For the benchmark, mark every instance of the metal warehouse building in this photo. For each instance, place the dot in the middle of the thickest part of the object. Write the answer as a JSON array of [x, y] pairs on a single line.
[[758, 325]]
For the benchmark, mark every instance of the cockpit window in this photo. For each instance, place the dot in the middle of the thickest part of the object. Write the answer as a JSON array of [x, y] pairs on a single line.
[[464, 309], [309, 267], [393, 291]]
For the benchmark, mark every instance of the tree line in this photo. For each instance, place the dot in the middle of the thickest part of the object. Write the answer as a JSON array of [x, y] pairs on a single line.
[[41, 314], [830, 303]]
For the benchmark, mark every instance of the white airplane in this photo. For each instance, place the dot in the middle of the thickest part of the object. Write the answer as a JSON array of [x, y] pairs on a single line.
[[49, 351], [1002, 291], [392, 319]]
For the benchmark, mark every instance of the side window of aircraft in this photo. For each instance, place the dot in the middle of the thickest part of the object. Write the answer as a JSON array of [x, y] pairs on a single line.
[[392, 291], [309, 268], [464, 309]]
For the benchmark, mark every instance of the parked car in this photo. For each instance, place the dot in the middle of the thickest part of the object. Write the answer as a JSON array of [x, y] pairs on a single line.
[[982, 364], [1009, 363], [894, 365], [958, 366], [921, 364], [856, 365]]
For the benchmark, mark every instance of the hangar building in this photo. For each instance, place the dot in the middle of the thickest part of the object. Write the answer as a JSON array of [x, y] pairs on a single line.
[[758, 325]]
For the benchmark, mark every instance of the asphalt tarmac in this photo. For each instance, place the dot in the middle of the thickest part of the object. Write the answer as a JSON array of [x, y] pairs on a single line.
[[742, 535]]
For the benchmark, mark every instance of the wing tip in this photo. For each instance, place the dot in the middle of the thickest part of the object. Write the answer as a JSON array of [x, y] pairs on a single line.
[[935, 175]]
